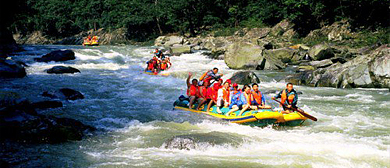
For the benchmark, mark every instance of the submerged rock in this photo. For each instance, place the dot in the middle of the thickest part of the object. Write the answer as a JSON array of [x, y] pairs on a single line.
[[19, 121], [201, 140], [11, 69], [64, 94], [62, 69], [57, 56], [47, 104], [244, 77]]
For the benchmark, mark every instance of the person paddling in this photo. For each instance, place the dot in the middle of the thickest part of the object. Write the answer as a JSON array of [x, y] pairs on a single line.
[[288, 98], [210, 75], [192, 90]]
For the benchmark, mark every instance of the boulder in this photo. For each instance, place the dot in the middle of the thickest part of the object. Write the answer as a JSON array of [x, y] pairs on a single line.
[[243, 55], [379, 67], [178, 50], [58, 55], [290, 34], [217, 44], [64, 94], [62, 69], [257, 33], [244, 77], [168, 41], [286, 55], [270, 63], [321, 64], [321, 52], [11, 69], [47, 104], [281, 27]]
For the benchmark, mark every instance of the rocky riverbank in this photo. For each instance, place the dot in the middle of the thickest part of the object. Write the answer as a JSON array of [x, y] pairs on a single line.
[[106, 37], [329, 62]]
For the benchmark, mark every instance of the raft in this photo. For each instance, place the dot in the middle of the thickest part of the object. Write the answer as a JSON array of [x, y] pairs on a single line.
[[158, 74], [260, 118], [93, 42]]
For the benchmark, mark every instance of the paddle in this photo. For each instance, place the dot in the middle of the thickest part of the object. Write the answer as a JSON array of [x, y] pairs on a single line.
[[300, 111]]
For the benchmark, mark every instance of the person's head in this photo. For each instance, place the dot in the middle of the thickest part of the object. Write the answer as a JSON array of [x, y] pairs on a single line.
[[156, 49], [235, 86], [195, 82], [206, 83], [226, 85], [215, 70], [246, 88], [289, 87], [255, 87]]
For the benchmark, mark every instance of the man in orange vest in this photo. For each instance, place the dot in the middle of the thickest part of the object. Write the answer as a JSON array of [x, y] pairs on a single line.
[[258, 98], [192, 90], [288, 97]]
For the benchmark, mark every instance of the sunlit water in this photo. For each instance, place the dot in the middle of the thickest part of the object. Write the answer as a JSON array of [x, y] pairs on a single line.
[[134, 116]]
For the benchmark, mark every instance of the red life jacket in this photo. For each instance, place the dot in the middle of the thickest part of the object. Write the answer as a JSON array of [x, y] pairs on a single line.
[[192, 91], [203, 90], [150, 65]]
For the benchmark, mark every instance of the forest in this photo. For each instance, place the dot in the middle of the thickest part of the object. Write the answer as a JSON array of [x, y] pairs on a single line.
[[146, 19]]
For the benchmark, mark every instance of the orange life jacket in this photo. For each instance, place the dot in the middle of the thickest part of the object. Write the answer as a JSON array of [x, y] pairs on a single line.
[[163, 65], [284, 97], [257, 96], [192, 90], [226, 94]]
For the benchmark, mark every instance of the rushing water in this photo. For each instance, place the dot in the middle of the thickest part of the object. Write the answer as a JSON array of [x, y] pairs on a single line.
[[134, 116]]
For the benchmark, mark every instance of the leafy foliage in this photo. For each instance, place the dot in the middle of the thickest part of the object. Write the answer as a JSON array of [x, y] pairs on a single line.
[[148, 18]]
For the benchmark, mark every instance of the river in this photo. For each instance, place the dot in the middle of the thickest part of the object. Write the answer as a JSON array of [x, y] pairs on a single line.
[[134, 115]]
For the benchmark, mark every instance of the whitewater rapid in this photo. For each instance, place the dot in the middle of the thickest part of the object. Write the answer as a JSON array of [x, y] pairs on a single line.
[[134, 115]]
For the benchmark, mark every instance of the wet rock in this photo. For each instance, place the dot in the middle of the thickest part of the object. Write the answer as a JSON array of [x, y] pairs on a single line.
[[57, 56], [47, 104], [306, 68], [321, 52], [244, 77], [243, 55], [178, 50], [62, 69], [64, 94], [321, 64], [11, 69], [20, 122]]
